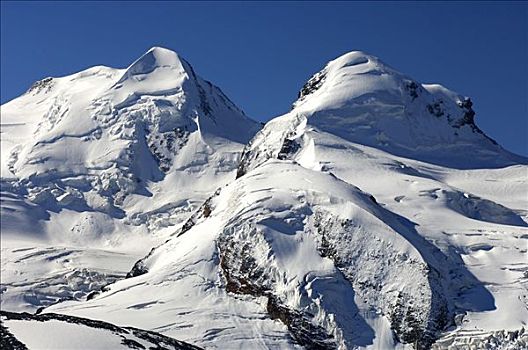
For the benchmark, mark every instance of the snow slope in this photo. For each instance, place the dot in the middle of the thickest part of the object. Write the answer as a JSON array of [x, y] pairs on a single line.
[[375, 214]]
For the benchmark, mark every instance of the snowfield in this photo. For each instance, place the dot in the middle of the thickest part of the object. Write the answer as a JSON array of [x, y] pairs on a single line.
[[373, 215]]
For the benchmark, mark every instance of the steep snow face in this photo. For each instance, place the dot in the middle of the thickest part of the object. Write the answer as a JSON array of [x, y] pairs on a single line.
[[110, 159]]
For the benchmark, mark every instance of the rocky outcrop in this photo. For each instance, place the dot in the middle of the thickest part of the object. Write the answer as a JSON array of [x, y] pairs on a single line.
[[312, 85], [245, 275], [418, 310]]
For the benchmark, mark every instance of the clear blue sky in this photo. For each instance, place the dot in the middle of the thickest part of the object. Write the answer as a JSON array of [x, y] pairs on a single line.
[[261, 53]]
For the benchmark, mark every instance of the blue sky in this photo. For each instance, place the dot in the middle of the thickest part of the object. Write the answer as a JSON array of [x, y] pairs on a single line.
[[261, 53]]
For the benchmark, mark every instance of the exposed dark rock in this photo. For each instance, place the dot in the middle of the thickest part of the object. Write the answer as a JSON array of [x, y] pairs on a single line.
[[245, 160], [407, 328], [90, 296], [436, 108], [164, 145], [203, 212], [95, 293], [139, 267], [41, 85], [469, 113], [241, 272], [289, 147], [410, 323], [413, 88], [8, 340], [301, 328], [312, 85], [206, 211], [469, 118], [244, 276], [132, 344]]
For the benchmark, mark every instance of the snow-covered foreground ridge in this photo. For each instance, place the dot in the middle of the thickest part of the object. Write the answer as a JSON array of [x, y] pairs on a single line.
[[374, 214], [22, 331]]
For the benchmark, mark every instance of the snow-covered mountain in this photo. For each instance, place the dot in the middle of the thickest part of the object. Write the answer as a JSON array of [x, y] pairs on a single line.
[[104, 139], [111, 159], [374, 214], [359, 99]]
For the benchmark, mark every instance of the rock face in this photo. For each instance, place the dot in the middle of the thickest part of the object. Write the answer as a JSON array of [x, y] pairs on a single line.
[[373, 215]]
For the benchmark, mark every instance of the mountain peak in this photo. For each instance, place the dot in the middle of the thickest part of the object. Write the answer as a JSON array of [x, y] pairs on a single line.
[[162, 56], [159, 57], [154, 59], [355, 71], [160, 49], [363, 100], [352, 58]]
